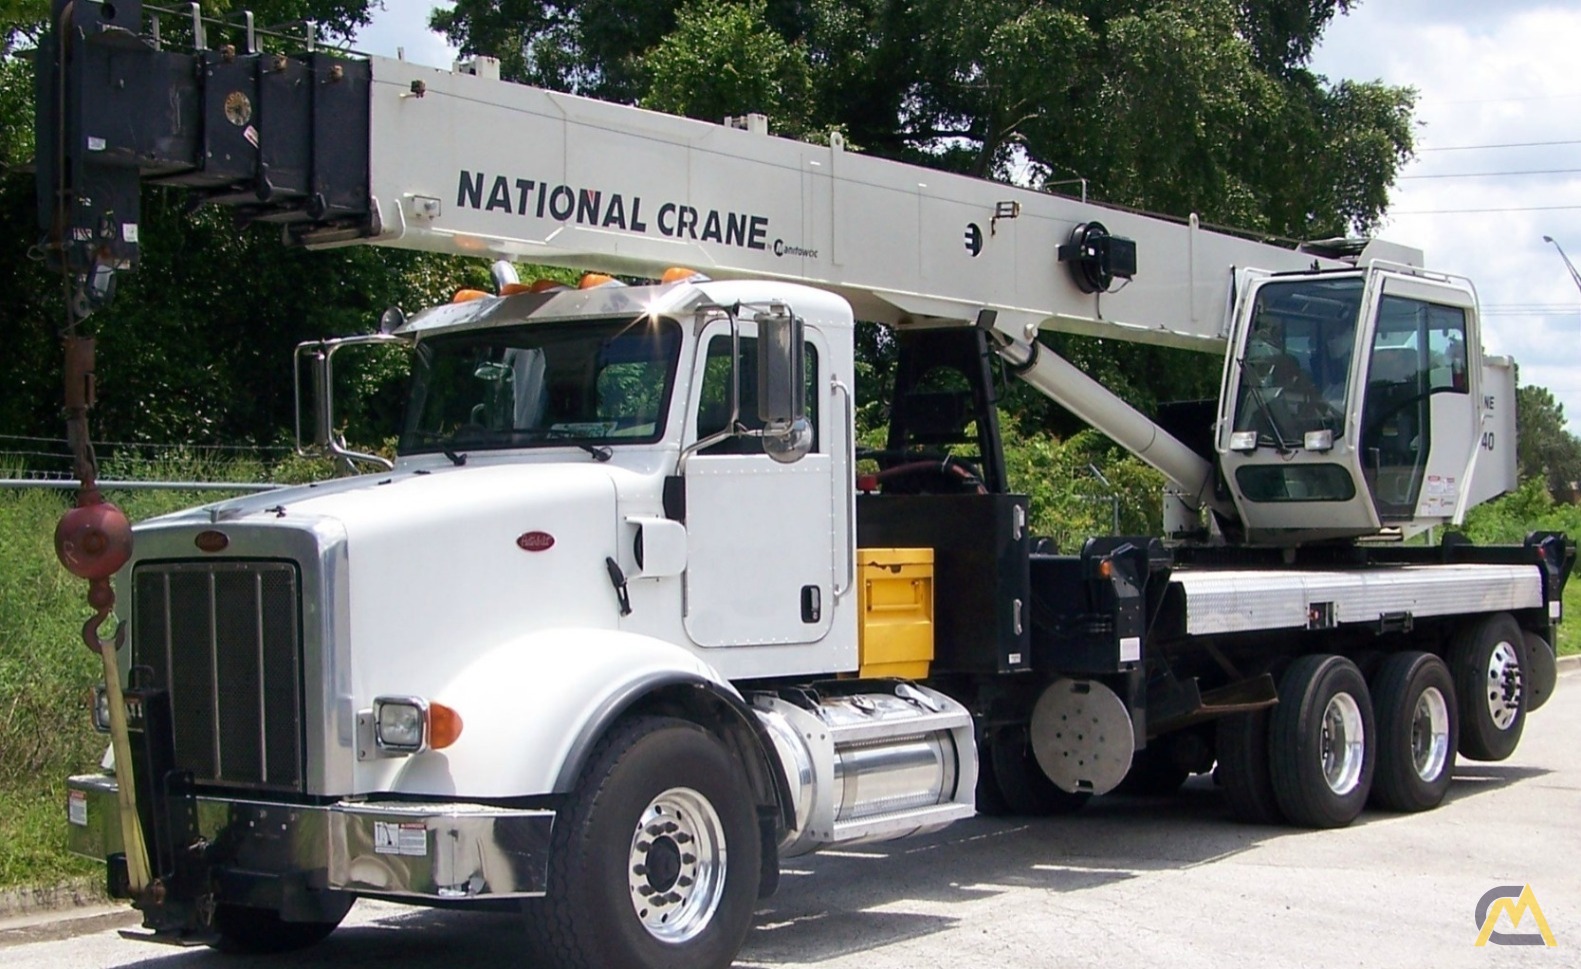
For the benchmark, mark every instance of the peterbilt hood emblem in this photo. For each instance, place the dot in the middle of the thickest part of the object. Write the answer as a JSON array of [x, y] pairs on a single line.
[[535, 541]]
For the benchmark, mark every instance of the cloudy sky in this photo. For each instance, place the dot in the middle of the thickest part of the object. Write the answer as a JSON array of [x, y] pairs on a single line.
[[1498, 164]]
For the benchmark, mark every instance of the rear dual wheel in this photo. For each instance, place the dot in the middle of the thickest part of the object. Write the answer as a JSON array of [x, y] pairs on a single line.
[[1322, 742], [1487, 659], [1417, 715]]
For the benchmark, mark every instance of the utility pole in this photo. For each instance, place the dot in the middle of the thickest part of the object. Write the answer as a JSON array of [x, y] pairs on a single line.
[[1576, 276]]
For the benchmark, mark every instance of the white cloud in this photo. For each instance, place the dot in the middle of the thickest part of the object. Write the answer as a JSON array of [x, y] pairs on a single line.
[[1488, 74], [403, 26]]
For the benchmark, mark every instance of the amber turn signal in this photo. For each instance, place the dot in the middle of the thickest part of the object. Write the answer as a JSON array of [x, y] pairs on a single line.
[[444, 726]]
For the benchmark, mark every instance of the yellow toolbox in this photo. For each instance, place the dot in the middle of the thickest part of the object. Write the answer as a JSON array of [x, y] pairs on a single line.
[[895, 594]]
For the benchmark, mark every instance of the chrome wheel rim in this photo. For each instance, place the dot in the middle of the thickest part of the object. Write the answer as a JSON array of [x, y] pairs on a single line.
[[1342, 745], [1504, 685], [676, 869], [1430, 734]]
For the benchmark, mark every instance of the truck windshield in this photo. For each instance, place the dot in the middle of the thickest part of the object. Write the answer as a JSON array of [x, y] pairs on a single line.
[[542, 385], [1296, 363]]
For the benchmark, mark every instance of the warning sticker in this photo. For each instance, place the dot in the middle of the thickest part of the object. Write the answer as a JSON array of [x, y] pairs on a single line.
[[77, 808], [407, 838]]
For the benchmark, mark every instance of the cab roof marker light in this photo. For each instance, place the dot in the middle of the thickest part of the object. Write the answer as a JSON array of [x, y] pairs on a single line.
[[469, 295], [595, 280], [682, 274]]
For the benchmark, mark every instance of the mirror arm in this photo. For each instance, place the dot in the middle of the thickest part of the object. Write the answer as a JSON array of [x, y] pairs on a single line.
[[321, 355], [729, 430]]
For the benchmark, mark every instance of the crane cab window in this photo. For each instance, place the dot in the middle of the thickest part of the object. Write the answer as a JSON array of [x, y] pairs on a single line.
[[713, 407], [1296, 362], [1418, 350]]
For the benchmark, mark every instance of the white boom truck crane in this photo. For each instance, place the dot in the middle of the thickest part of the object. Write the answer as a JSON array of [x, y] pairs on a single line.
[[623, 626]]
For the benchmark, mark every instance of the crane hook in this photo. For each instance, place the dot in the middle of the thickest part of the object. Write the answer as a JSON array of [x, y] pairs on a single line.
[[102, 599]]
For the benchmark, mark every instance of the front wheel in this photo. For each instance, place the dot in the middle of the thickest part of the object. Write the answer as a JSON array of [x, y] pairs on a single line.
[[655, 864]]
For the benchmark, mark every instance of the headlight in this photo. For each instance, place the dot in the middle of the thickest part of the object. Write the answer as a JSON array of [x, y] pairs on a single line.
[[411, 725], [400, 723], [101, 709]]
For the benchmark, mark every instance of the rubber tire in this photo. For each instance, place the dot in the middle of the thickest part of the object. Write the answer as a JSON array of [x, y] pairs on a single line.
[[1472, 648], [1153, 772], [1542, 671], [1242, 748], [261, 931], [990, 803], [1023, 786], [1398, 684], [1295, 731], [586, 920]]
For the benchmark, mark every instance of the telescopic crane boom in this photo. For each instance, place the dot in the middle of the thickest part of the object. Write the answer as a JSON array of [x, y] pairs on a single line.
[[377, 151]]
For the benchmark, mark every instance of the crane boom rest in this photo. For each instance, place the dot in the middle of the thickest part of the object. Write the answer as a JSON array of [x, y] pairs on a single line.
[[657, 639]]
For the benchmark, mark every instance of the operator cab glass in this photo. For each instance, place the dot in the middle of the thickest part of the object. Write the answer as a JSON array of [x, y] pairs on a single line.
[[1355, 390], [542, 385], [1418, 351], [1295, 374]]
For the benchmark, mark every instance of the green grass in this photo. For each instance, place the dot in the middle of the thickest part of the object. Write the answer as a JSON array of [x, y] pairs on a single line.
[[47, 674], [1511, 518]]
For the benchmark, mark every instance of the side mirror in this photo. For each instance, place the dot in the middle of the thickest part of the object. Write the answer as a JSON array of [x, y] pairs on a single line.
[[319, 358], [391, 319], [782, 384]]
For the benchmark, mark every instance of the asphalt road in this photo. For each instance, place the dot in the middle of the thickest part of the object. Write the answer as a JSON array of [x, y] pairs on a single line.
[[1156, 883]]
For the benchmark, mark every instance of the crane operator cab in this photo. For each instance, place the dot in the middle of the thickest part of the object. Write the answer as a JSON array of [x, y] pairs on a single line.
[[1353, 403]]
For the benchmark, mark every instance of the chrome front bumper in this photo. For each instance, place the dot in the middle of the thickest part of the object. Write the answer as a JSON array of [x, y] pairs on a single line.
[[432, 851]]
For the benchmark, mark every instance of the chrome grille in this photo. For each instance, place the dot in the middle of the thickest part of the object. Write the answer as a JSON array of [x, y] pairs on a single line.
[[223, 638]]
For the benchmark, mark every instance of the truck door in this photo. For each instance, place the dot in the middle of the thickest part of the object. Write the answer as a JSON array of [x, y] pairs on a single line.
[[761, 534]]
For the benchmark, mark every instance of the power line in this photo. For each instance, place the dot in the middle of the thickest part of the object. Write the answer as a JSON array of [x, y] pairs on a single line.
[[1546, 171], [1534, 97], [1513, 144], [1527, 208]]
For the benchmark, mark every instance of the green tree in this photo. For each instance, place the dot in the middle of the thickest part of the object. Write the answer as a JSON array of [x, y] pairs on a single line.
[[1182, 106], [1545, 451], [197, 346]]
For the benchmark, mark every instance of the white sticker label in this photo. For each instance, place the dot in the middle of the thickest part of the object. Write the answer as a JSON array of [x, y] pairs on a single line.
[[1130, 649], [129, 232], [95, 144], [391, 838], [251, 134], [1553, 610], [77, 808]]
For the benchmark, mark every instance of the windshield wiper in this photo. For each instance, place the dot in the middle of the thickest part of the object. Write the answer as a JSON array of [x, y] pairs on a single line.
[[1256, 394], [456, 459], [600, 453]]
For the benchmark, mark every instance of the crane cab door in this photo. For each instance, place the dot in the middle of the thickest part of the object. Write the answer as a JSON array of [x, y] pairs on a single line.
[[760, 533], [1418, 419], [1348, 403]]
